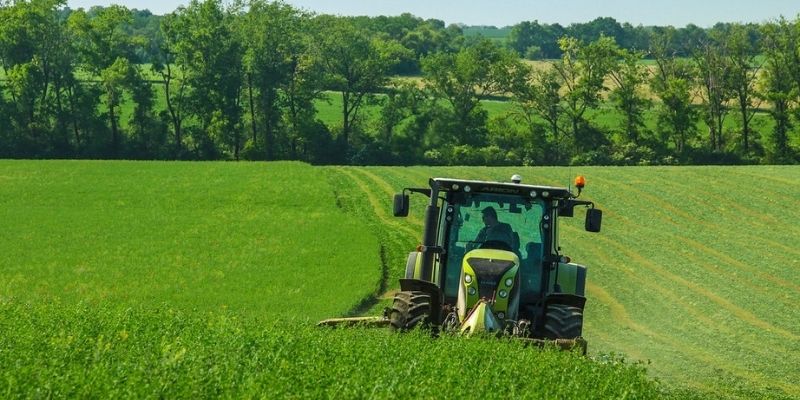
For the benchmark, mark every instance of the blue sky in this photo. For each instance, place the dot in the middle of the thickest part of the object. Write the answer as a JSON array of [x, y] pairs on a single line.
[[501, 13]]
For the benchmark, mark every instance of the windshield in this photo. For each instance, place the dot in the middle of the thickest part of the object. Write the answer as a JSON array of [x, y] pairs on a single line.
[[493, 221]]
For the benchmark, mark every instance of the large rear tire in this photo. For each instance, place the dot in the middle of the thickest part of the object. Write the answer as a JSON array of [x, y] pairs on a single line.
[[410, 309], [563, 322]]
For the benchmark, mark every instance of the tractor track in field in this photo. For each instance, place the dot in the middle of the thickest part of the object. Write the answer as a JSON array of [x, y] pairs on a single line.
[[366, 303], [619, 313], [787, 182], [699, 246], [385, 239], [375, 203], [741, 313], [699, 195], [389, 190], [674, 298], [720, 256]]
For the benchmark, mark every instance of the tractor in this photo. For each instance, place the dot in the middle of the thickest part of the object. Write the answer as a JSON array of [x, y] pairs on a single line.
[[490, 263]]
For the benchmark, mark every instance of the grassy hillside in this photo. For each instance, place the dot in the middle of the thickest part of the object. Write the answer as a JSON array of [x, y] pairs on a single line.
[[196, 280], [696, 269]]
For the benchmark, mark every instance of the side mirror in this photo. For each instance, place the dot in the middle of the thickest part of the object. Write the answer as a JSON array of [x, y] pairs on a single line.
[[594, 218], [401, 205]]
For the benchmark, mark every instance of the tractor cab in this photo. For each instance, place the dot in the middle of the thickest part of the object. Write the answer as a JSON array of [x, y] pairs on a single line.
[[490, 259]]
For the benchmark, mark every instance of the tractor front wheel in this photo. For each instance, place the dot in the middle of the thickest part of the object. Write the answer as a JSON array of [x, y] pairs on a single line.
[[563, 322], [410, 310]]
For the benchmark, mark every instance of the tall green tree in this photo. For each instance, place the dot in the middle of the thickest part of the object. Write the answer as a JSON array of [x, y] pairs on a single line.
[[355, 64], [171, 71], [272, 36], [108, 53], [536, 94], [780, 48], [742, 52], [36, 53], [583, 69], [463, 78], [210, 52], [713, 74], [672, 83], [629, 76]]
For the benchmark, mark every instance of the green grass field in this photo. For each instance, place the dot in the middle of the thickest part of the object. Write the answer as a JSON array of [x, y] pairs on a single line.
[[198, 236], [153, 279]]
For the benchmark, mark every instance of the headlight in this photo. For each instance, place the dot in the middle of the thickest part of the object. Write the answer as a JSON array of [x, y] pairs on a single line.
[[468, 279], [472, 291], [503, 294], [509, 282]]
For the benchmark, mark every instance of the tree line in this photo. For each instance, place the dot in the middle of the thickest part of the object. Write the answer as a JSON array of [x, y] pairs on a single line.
[[245, 81]]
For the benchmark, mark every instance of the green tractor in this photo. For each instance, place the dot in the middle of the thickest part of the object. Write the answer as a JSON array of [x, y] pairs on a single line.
[[490, 263]]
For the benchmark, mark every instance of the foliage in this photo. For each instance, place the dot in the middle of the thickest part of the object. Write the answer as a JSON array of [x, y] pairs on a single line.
[[672, 83], [257, 80], [582, 69], [629, 78], [462, 79], [354, 64]]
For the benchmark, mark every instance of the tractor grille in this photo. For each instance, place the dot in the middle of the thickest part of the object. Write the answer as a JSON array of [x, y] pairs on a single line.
[[489, 273]]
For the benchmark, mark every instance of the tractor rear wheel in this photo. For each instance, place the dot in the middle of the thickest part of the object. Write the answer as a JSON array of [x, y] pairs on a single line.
[[410, 310], [563, 322]]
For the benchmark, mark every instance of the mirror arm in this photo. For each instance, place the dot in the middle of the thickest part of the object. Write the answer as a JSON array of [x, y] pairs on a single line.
[[426, 192]]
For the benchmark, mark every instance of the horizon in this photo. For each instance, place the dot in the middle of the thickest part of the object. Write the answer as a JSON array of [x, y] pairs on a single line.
[[676, 13]]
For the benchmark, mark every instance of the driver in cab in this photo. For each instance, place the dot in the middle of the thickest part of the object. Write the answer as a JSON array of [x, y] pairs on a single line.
[[494, 231]]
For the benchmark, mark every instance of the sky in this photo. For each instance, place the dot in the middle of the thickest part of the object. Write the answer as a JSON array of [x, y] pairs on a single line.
[[704, 13]]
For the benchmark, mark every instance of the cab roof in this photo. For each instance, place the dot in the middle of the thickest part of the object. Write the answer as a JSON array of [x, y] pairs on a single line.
[[507, 188]]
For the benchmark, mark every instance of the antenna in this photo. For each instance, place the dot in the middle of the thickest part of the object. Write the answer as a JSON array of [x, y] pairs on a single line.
[[569, 178]]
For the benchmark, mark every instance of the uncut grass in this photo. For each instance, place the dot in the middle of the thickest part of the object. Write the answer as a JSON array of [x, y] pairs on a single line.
[[56, 350], [679, 275], [255, 238]]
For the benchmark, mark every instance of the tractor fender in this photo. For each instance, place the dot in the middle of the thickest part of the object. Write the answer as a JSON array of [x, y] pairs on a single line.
[[571, 278], [414, 265], [566, 299]]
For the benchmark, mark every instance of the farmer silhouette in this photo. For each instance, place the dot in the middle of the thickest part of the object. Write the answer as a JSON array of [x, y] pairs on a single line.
[[494, 234]]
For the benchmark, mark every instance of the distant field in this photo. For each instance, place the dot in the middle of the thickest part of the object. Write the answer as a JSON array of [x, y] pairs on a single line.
[[498, 35], [696, 269], [606, 117]]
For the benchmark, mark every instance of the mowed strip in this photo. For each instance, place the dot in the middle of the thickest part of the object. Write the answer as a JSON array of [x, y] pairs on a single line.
[[663, 320]]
